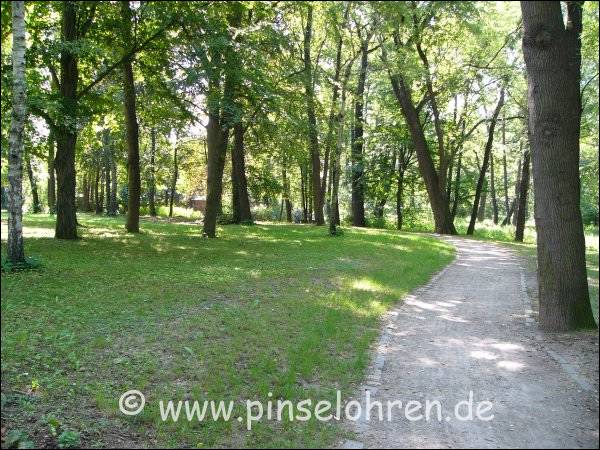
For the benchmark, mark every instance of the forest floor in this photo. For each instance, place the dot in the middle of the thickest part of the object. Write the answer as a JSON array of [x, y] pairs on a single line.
[[473, 329], [265, 308]]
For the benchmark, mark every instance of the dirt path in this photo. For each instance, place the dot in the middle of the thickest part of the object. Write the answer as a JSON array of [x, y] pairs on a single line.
[[471, 329]]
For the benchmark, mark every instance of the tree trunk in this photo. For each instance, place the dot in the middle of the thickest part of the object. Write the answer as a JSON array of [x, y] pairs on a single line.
[[400, 198], [505, 178], [100, 202], [15, 247], [66, 132], [438, 201], [86, 192], [36, 207], [487, 156], [131, 124], [521, 214], [221, 116], [313, 136], [493, 189], [51, 176], [457, 187], [114, 205], [552, 54], [152, 178], [357, 157], [483, 202], [303, 193], [239, 184], [517, 186]]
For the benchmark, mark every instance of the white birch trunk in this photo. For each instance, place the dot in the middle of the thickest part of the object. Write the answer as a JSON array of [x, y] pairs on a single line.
[[15, 249]]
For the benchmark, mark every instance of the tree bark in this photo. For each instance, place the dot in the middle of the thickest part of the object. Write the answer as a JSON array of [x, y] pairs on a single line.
[[152, 177], [437, 199], [51, 176], [15, 247], [552, 53], [521, 214], [487, 156], [221, 116], [457, 187], [36, 206], [493, 189], [313, 136], [65, 132], [131, 125], [483, 202], [357, 157], [239, 184]]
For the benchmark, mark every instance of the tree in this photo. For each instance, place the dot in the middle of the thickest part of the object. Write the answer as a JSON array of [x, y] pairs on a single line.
[[131, 124], [15, 247], [521, 214], [358, 182], [313, 133], [51, 176], [552, 53], [487, 155]]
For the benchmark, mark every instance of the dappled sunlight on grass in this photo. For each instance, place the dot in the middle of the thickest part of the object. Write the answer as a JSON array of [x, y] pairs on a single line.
[[265, 308]]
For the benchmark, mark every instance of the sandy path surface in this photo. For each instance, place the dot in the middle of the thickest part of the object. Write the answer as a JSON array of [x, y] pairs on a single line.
[[472, 329]]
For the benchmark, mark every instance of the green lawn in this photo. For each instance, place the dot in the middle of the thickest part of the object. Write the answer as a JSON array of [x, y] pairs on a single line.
[[265, 308]]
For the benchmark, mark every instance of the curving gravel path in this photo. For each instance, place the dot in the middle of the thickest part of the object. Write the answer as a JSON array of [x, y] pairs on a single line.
[[472, 329]]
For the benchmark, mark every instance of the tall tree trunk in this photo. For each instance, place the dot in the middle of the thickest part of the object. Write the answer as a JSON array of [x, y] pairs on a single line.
[[505, 180], [107, 150], [239, 184], [100, 202], [552, 53], [457, 187], [333, 123], [97, 199], [36, 206], [51, 175], [521, 213], [15, 247], [400, 198], [438, 201], [483, 202], [303, 196], [86, 192], [286, 192], [313, 135], [114, 205], [221, 116], [131, 124], [357, 157], [152, 178], [487, 159], [517, 186], [65, 132], [493, 189]]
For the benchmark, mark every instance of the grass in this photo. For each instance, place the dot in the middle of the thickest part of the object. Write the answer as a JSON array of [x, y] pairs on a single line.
[[505, 235], [265, 308]]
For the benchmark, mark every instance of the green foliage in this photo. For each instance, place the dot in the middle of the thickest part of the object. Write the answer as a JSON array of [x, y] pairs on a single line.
[[18, 439], [30, 263], [69, 439]]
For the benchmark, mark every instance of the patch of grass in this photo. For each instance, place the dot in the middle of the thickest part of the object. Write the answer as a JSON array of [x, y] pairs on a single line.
[[265, 308]]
